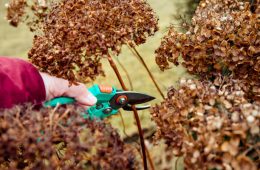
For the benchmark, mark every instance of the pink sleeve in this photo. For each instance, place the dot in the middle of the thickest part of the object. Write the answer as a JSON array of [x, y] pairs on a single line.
[[20, 82]]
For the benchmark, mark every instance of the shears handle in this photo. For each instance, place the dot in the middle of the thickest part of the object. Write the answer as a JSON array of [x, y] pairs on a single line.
[[60, 100], [100, 110]]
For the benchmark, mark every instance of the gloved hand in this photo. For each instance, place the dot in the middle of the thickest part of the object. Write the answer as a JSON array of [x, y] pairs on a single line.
[[57, 87]]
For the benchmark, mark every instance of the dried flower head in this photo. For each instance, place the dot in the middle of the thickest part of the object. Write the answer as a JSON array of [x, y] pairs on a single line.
[[59, 138], [77, 33], [224, 38], [31, 12], [212, 125]]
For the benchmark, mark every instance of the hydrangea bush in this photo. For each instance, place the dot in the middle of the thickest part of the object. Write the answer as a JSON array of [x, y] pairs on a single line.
[[213, 121], [60, 138]]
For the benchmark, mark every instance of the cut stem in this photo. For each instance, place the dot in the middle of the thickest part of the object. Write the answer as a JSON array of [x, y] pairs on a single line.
[[114, 67], [150, 159], [137, 54]]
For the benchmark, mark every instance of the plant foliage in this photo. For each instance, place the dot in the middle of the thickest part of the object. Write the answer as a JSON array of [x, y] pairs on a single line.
[[59, 138]]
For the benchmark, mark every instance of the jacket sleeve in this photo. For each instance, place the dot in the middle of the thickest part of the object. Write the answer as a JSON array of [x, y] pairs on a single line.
[[20, 82]]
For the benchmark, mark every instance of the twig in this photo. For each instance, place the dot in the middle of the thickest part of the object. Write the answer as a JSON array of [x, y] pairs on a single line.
[[140, 135], [147, 69], [124, 131], [123, 123], [150, 159], [114, 67], [127, 74], [250, 147], [61, 117], [51, 116], [17, 119]]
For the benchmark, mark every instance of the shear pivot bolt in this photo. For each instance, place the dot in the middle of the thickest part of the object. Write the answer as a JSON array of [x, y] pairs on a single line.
[[107, 110], [121, 100]]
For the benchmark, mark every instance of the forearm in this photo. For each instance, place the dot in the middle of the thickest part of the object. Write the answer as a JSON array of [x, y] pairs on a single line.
[[20, 82]]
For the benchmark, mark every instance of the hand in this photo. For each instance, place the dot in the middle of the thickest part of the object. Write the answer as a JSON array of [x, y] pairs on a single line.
[[57, 87]]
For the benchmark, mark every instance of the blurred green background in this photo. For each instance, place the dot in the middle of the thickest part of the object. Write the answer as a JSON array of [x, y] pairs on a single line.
[[17, 42]]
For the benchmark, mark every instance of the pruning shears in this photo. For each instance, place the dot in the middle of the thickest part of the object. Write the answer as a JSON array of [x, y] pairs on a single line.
[[109, 101]]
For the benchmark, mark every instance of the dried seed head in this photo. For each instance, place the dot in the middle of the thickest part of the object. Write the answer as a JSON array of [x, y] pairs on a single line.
[[213, 124], [31, 12], [59, 139], [224, 38], [76, 34]]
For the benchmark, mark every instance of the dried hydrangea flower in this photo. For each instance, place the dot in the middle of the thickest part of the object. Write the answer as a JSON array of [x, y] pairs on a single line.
[[31, 12], [77, 34], [59, 139], [224, 38], [212, 125]]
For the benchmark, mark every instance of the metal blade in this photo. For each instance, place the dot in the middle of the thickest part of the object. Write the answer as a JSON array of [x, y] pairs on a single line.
[[136, 98], [129, 108]]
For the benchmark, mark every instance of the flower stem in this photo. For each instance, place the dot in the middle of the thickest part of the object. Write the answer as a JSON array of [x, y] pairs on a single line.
[[114, 67], [147, 69], [127, 74]]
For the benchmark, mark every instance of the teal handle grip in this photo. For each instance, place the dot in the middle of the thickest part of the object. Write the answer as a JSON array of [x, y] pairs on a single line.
[[68, 100], [60, 100], [97, 111]]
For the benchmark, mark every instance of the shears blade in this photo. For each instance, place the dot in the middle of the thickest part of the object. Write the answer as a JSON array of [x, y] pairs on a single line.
[[135, 97]]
